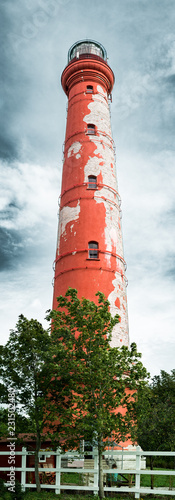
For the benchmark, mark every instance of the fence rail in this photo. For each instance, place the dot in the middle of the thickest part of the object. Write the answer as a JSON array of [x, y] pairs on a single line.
[[86, 472]]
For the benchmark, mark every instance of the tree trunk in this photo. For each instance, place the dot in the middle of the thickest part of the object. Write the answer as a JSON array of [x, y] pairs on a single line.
[[37, 479], [170, 482], [152, 477], [100, 466]]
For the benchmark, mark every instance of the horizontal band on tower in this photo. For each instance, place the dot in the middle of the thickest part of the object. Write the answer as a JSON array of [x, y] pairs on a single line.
[[99, 184], [89, 269], [85, 133], [90, 99], [83, 92], [90, 68], [88, 198], [74, 252]]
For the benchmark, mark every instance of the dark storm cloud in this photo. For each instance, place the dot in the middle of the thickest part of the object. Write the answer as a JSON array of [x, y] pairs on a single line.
[[28, 107], [27, 205], [9, 215], [171, 81], [11, 249], [11, 96], [171, 273], [8, 147], [10, 212], [15, 84]]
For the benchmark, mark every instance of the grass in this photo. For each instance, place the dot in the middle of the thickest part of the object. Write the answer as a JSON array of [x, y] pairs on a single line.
[[72, 477], [159, 481], [46, 495]]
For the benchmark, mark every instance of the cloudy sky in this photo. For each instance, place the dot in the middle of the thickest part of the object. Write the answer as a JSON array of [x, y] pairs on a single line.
[[140, 41]]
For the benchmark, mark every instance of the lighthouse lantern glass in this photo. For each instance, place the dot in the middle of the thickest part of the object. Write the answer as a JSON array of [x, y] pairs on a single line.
[[86, 47]]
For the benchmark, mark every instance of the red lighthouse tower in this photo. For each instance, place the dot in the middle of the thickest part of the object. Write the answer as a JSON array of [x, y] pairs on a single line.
[[89, 255]]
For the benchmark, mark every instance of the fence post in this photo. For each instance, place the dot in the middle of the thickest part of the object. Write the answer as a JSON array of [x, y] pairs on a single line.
[[95, 470], [122, 457], [23, 472], [58, 472], [138, 467]]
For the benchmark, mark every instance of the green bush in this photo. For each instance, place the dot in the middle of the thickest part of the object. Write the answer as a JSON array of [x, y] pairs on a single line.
[[19, 494], [5, 494], [164, 462]]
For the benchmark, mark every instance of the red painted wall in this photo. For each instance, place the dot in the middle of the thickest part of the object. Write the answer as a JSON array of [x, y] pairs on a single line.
[[90, 214], [30, 461], [5, 459]]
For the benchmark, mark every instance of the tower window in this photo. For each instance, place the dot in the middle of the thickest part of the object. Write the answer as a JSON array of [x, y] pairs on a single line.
[[89, 89], [92, 182], [91, 128], [93, 249]]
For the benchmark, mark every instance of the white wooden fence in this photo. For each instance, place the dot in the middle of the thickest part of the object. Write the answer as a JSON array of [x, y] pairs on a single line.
[[58, 486]]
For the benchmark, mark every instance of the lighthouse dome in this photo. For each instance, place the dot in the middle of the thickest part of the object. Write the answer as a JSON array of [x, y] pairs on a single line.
[[88, 47]]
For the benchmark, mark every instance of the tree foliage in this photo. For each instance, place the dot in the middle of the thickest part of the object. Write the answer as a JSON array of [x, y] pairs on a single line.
[[22, 423], [94, 386], [26, 366], [156, 415], [72, 383]]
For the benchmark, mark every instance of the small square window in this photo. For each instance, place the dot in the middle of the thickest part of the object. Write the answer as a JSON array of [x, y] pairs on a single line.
[[92, 182], [91, 128], [89, 89], [93, 249]]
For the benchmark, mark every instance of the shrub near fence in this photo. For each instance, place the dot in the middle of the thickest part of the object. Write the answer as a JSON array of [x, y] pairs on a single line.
[[58, 482]]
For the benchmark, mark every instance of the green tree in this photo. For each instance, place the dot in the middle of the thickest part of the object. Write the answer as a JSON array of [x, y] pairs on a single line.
[[163, 387], [94, 386], [22, 423], [156, 415], [26, 366], [3, 422]]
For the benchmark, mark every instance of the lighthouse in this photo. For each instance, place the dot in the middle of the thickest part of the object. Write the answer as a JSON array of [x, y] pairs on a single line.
[[89, 253]]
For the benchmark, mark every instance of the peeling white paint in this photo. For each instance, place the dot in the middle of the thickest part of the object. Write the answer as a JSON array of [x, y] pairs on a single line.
[[101, 90], [102, 154], [103, 163], [74, 149], [99, 114], [120, 330], [67, 214], [113, 234]]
